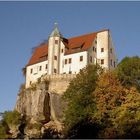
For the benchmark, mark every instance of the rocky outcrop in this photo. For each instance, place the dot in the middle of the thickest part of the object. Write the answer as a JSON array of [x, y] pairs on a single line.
[[34, 103], [43, 109]]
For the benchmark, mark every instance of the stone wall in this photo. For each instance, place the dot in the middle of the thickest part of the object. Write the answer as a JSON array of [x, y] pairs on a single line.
[[44, 102], [58, 83]]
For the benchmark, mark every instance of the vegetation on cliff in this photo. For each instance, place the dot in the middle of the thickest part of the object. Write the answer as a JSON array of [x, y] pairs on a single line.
[[10, 119]]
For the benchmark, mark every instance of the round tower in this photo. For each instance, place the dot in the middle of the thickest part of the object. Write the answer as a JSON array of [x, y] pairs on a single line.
[[54, 51]]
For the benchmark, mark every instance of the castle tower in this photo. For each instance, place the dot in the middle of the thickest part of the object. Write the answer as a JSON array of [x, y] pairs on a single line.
[[54, 51]]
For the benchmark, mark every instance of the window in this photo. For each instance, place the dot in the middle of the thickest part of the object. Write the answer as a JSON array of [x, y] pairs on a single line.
[[91, 59], [95, 49], [70, 72], [114, 64], [110, 50], [40, 68], [62, 50], [30, 82], [69, 60], [55, 57], [102, 61], [102, 49], [54, 70], [81, 58], [31, 71], [56, 41], [65, 61], [95, 41], [111, 62], [46, 66]]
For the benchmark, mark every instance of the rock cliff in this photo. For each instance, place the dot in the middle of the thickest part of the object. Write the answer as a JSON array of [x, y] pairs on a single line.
[[43, 107]]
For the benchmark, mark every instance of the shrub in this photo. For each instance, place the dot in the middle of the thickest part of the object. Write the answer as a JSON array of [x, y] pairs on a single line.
[[12, 117]]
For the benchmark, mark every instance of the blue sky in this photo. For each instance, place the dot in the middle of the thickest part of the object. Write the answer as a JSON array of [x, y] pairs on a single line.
[[24, 25]]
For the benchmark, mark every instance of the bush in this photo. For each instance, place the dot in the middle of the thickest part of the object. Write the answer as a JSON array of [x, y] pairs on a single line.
[[4, 130], [12, 117]]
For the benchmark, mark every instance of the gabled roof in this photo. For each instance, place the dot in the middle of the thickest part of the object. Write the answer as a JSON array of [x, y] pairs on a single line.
[[80, 43], [72, 45], [40, 54]]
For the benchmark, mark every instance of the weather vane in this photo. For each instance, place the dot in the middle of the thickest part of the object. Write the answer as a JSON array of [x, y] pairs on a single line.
[[55, 24]]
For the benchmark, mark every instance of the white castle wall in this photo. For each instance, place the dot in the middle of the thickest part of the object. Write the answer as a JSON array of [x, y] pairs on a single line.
[[75, 64], [32, 77]]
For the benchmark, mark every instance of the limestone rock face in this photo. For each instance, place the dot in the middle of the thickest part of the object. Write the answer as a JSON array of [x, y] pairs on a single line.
[[34, 103], [43, 107]]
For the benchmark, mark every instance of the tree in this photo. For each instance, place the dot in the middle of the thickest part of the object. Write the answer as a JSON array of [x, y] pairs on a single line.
[[129, 72], [109, 95], [80, 104], [126, 118], [118, 112]]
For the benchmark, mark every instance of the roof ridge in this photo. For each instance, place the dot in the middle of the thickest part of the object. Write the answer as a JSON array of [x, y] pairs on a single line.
[[89, 33]]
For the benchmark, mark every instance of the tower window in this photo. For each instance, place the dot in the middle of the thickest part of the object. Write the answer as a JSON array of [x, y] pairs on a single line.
[[65, 61], [54, 70], [62, 50], [55, 57], [31, 71], [40, 68], [110, 50], [81, 58], [102, 49], [102, 61], [56, 41], [111, 62], [69, 60], [93, 48]]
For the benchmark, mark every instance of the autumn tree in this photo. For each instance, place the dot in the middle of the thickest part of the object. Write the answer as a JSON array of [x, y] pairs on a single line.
[[117, 108], [126, 118]]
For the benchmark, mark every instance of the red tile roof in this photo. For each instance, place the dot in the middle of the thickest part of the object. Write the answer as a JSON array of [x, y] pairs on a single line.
[[73, 45], [40, 54]]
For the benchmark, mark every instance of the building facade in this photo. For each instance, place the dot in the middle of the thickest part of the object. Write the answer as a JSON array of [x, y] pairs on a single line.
[[67, 56]]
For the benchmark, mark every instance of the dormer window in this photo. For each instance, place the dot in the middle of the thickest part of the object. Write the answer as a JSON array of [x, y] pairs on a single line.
[[56, 41]]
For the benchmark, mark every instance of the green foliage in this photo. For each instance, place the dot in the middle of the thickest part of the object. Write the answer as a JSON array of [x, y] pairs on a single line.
[[129, 71], [81, 105], [34, 126], [4, 129], [12, 117]]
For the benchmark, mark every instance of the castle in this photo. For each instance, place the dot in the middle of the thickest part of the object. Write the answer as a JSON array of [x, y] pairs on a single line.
[[61, 56]]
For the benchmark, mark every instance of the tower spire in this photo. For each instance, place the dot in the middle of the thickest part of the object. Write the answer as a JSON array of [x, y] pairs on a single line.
[[55, 31], [55, 25]]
